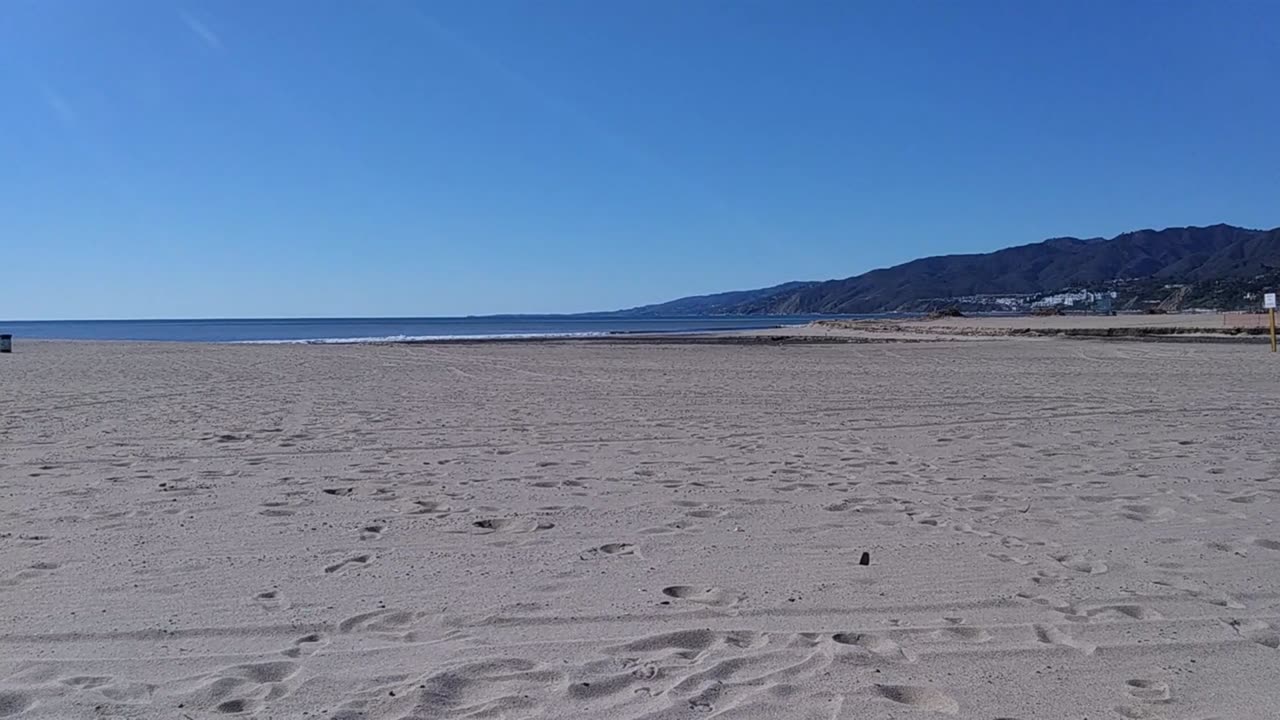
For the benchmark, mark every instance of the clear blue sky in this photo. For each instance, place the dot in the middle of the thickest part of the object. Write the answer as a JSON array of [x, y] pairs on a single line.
[[330, 157]]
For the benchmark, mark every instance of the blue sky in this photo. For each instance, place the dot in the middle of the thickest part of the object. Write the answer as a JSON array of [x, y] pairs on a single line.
[[328, 157]]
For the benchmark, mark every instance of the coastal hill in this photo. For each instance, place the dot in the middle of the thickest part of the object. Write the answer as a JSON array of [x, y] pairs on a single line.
[[1219, 266]]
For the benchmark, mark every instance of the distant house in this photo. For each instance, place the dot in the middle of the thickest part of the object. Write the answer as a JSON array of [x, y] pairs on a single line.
[[1101, 301]]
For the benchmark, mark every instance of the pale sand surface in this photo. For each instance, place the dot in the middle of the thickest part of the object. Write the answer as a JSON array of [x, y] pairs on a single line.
[[1186, 325], [1206, 321], [1057, 529], [1184, 322]]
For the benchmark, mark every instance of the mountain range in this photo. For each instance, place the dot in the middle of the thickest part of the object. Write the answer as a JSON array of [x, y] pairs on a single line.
[[1213, 263]]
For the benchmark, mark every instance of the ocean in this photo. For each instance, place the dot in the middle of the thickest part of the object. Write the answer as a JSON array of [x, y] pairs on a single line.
[[351, 330]]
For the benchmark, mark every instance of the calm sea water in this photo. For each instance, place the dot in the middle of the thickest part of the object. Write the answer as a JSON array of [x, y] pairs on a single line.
[[337, 330]]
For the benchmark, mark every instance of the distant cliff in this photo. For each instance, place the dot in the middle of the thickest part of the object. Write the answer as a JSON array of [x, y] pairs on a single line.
[[1220, 264]]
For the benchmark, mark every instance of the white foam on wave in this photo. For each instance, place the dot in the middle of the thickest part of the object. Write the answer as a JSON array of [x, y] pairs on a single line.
[[419, 338]]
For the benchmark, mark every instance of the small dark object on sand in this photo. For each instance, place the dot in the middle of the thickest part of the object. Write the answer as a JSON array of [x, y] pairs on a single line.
[[866, 559]]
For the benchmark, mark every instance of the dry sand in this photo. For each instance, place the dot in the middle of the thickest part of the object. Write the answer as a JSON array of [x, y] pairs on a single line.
[[1195, 327], [1209, 322], [1056, 529], [1240, 327]]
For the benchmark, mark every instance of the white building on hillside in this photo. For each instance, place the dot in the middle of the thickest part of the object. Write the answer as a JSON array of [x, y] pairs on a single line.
[[1080, 298]]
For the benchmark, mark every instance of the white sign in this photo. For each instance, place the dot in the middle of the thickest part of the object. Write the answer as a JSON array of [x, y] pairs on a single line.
[[1269, 301]]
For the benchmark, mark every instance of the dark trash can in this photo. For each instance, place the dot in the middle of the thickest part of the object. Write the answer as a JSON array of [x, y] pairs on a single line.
[[6, 343]]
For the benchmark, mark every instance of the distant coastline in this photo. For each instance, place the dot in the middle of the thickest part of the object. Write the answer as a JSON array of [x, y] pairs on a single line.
[[750, 330]]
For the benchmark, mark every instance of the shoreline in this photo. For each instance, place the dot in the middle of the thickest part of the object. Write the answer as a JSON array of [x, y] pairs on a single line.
[[1187, 328], [747, 339]]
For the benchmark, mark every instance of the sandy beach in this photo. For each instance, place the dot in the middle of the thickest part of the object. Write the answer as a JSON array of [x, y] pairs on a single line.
[[1055, 528], [1173, 327]]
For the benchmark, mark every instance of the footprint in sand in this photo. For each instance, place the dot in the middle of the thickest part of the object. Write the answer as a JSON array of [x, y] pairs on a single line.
[[1146, 513], [1257, 631], [1249, 499], [353, 561], [609, 550], [877, 645], [430, 507], [86, 682], [920, 698], [694, 641], [1116, 612], [398, 625], [127, 693], [1050, 635], [495, 687], [1081, 564], [241, 688], [1005, 557], [1044, 577], [710, 596], [599, 687], [1266, 544], [512, 525], [270, 600], [306, 645], [1144, 689], [105, 685], [276, 508], [372, 532]]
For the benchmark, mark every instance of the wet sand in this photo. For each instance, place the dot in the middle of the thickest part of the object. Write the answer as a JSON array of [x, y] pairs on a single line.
[[1055, 528]]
